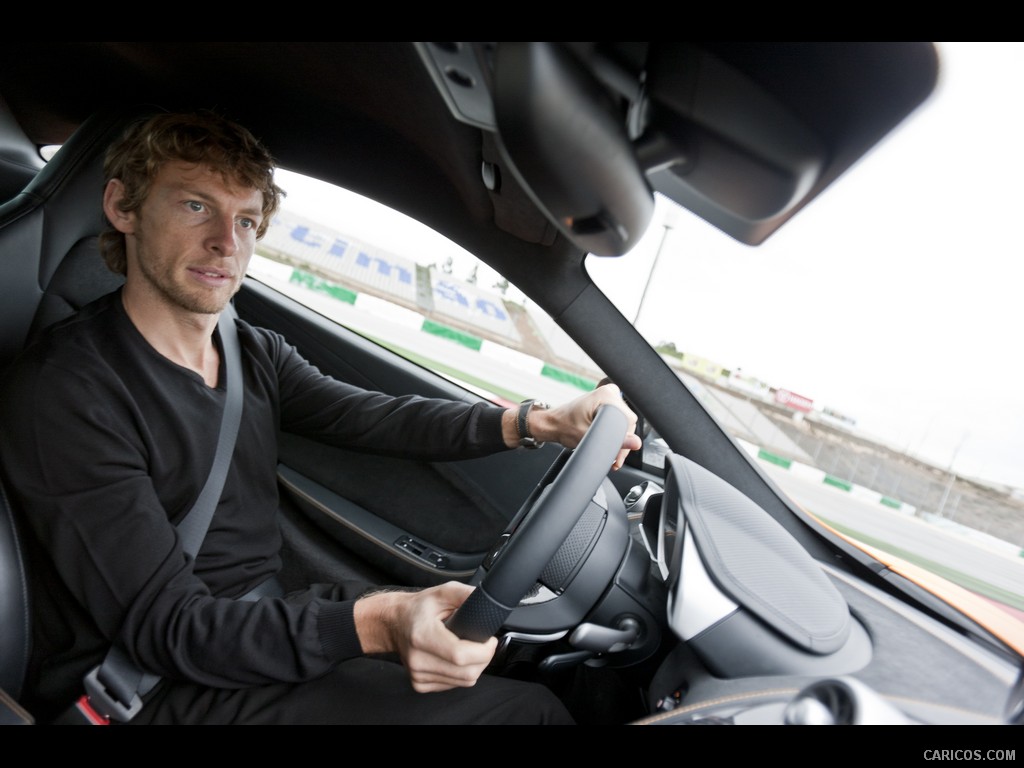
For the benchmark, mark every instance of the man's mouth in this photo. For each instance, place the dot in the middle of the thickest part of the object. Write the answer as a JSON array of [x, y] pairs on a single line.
[[211, 274]]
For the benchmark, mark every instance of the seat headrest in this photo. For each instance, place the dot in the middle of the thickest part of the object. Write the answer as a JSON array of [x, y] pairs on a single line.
[[57, 214], [70, 187]]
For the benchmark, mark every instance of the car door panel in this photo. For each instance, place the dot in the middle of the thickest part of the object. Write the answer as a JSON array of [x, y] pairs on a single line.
[[421, 522]]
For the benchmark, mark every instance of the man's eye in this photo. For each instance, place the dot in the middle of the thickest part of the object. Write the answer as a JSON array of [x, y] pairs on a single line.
[[196, 206], [247, 223]]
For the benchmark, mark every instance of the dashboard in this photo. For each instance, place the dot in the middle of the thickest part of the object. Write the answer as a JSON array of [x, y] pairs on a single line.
[[765, 634]]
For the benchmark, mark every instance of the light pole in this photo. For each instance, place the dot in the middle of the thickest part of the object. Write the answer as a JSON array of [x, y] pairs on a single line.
[[650, 275], [952, 474]]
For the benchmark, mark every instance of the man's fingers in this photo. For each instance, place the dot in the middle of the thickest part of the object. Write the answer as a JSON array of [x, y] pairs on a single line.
[[460, 667]]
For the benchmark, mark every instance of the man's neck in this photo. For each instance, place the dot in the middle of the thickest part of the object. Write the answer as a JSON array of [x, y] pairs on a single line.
[[185, 338]]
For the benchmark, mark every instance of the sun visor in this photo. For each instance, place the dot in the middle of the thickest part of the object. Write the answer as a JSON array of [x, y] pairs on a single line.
[[744, 135], [565, 140]]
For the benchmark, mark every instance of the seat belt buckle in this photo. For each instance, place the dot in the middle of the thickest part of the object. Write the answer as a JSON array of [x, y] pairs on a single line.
[[99, 701], [91, 716]]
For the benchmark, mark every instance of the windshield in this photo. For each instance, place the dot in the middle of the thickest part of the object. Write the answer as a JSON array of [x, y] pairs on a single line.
[[861, 354]]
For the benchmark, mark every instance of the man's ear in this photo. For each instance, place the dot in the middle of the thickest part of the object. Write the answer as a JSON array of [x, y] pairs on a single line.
[[113, 194]]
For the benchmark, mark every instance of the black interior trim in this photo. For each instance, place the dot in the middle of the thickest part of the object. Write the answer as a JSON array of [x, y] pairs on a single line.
[[329, 508]]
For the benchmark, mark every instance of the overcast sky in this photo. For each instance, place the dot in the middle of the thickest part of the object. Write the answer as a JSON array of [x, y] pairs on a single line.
[[895, 297]]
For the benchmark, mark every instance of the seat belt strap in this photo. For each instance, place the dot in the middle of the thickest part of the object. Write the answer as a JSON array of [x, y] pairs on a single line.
[[194, 526], [114, 688]]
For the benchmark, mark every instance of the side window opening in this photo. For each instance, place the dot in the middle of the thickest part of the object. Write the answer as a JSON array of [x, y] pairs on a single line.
[[408, 289]]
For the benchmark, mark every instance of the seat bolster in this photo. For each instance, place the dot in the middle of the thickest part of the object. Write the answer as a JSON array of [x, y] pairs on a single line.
[[19, 159], [81, 277], [15, 639]]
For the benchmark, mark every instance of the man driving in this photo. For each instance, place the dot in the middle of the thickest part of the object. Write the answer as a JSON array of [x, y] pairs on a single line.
[[126, 401]]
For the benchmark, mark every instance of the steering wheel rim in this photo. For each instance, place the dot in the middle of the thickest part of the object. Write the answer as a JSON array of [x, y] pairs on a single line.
[[525, 551]]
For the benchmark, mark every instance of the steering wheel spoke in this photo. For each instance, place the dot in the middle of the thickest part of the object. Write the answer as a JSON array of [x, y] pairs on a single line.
[[548, 521]]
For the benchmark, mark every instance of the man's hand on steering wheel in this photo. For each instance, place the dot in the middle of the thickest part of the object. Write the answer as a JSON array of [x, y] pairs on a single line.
[[566, 424], [411, 624], [549, 516]]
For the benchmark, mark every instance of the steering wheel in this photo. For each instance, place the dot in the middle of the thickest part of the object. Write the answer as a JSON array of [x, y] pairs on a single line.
[[519, 557]]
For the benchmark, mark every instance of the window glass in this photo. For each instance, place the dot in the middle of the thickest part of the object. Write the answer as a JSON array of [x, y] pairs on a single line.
[[863, 355], [859, 356], [401, 284]]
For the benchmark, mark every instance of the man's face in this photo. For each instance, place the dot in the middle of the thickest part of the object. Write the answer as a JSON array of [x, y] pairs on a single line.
[[192, 240]]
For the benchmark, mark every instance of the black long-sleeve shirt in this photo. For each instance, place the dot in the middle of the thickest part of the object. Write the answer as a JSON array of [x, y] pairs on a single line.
[[106, 444]]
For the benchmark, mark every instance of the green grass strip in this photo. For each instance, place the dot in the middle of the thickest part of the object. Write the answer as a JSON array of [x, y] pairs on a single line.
[[568, 378], [445, 332], [319, 285], [771, 458], [835, 481]]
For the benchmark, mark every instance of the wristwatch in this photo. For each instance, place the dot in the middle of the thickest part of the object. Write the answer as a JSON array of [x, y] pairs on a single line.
[[526, 439]]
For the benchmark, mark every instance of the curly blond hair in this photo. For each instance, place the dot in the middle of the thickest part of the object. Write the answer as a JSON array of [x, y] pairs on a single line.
[[203, 138]]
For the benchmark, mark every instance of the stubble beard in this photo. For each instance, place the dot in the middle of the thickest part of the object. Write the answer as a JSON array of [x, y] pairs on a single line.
[[161, 279]]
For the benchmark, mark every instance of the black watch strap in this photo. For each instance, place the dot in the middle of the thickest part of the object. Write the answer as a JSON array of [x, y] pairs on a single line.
[[526, 438]]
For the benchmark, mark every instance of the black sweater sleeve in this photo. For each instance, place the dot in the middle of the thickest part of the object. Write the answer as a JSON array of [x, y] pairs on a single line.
[[324, 409]]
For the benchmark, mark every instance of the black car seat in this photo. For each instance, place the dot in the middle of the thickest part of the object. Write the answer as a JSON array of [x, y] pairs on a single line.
[[15, 640], [49, 267], [19, 159], [49, 262]]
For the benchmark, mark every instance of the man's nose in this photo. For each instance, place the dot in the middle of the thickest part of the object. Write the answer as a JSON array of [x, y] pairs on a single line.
[[223, 236]]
